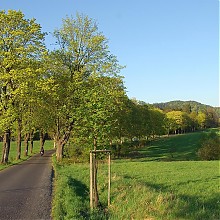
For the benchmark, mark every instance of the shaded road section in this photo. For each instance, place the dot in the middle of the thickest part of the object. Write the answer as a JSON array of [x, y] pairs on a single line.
[[26, 189]]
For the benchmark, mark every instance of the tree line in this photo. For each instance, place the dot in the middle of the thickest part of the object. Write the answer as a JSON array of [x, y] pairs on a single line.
[[73, 92]]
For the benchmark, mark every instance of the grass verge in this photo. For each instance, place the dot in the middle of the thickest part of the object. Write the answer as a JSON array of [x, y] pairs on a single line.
[[71, 193]]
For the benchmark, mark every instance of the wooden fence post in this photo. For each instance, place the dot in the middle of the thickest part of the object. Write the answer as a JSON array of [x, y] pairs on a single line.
[[109, 177], [91, 180]]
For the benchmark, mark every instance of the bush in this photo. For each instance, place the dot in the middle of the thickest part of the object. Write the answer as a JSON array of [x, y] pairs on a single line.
[[77, 153], [210, 147]]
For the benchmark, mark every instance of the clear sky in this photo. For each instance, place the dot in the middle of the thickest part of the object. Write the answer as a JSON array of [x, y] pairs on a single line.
[[170, 47]]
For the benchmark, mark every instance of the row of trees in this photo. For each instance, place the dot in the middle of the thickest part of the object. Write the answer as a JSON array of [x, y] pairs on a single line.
[[135, 123], [141, 120], [73, 91], [76, 84]]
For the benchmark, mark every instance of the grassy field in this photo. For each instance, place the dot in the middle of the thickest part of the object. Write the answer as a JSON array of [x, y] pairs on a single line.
[[149, 190], [13, 152], [166, 181], [173, 148]]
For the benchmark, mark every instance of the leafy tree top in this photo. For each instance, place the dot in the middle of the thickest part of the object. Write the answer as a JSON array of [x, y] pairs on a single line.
[[83, 48]]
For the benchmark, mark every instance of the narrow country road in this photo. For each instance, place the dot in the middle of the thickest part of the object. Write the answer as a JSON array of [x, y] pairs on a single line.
[[26, 189]]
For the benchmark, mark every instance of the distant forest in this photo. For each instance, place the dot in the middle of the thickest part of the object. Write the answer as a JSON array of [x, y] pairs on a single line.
[[188, 106], [212, 113]]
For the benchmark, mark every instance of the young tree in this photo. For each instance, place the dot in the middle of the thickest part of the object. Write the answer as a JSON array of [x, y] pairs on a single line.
[[98, 114], [99, 111]]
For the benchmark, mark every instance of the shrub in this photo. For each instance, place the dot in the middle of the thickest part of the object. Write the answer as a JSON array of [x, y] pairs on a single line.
[[210, 147]]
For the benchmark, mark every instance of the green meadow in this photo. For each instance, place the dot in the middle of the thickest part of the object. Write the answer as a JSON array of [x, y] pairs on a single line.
[[165, 181], [174, 148]]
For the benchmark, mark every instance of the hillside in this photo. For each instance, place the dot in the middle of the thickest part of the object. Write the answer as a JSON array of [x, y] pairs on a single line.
[[185, 105]]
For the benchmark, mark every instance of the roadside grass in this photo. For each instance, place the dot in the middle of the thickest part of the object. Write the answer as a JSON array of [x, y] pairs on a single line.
[[157, 185], [13, 152]]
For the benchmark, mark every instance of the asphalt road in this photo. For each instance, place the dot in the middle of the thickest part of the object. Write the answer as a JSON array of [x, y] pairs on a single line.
[[26, 189]]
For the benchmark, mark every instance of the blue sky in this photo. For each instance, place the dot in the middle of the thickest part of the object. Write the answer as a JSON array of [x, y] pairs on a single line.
[[170, 47]]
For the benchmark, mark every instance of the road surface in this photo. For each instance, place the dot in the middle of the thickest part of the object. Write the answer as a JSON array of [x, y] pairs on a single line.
[[26, 189]]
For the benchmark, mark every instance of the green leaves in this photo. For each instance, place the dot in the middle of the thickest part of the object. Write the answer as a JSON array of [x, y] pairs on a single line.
[[83, 47], [21, 48]]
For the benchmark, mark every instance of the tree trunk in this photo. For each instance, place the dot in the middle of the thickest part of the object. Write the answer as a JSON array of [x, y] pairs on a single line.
[[95, 184], [31, 141], [62, 140], [59, 151], [95, 170], [54, 142], [168, 132], [6, 146], [26, 139], [42, 139], [19, 141]]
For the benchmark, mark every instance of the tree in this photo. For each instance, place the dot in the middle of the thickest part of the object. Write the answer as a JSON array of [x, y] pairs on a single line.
[[82, 52], [98, 115], [176, 121], [210, 147], [135, 119], [194, 122], [102, 101], [212, 117], [202, 119], [80, 72], [187, 108], [21, 46], [157, 122]]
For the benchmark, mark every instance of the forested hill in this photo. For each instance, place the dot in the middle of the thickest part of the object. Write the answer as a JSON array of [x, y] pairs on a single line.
[[188, 106]]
